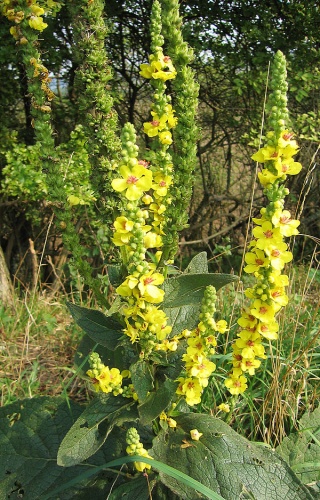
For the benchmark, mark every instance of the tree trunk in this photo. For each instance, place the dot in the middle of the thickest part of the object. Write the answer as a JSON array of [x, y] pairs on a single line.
[[6, 288]]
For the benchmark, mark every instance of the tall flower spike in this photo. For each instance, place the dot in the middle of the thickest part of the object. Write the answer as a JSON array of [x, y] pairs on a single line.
[[268, 253]]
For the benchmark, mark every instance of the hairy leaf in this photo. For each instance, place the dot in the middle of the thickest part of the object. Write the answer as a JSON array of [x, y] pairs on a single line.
[[156, 402], [189, 288], [30, 433], [302, 449], [93, 426], [101, 328], [225, 462], [142, 378]]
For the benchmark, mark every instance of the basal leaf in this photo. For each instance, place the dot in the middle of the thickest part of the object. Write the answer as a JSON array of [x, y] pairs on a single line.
[[136, 489], [101, 328], [225, 462], [92, 428], [30, 433], [188, 289]]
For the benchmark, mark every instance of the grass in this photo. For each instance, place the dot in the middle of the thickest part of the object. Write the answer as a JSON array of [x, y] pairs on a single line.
[[37, 345], [39, 341], [288, 381]]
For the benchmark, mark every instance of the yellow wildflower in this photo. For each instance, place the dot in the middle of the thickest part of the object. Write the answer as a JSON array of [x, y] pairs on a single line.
[[195, 434], [236, 384], [134, 181]]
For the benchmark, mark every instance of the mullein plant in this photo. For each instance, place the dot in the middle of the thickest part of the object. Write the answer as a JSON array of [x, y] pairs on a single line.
[[27, 19], [268, 252], [144, 188]]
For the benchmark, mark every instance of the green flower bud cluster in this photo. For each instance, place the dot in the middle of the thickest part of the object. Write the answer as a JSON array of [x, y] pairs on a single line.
[[268, 252], [94, 100], [277, 111], [136, 448], [185, 100]]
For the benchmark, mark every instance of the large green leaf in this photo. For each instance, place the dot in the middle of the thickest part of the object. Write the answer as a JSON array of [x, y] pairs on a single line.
[[225, 462], [93, 426], [30, 433], [188, 289], [137, 488], [101, 328], [157, 401], [142, 378], [198, 264], [302, 449]]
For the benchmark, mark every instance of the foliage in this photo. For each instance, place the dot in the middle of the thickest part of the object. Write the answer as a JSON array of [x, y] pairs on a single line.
[[150, 355]]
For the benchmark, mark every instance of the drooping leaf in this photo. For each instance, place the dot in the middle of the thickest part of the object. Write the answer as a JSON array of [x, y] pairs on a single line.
[[302, 449], [119, 358], [198, 265], [183, 317], [93, 426], [225, 462], [101, 328], [30, 433], [188, 289], [142, 378], [156, 402], [114, 275]]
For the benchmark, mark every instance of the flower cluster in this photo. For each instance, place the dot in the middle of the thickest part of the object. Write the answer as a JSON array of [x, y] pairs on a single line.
[[105, 379], [138, 230], [159, 67], [201, 345], [30, 12], [135, 447], [268, 251]]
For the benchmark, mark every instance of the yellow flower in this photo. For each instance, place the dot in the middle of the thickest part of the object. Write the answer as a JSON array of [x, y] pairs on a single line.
[[153, 127], [278, 255], [152, 240], [236, 384], [221, 326], [279, 296], [267, 153], [249, 365], [191, 389], [161, 184], [286, 140], [266, 177], [255, 260], [165, 137], [123, 231], [37, 23], [134, 182], [171, 423], [287, 166], [148, 287], [195, 434], [224, 407], [160, 67], [268, 330], [263, 311], [249, 345], [36, 10], [126, 288], [266, 235], [247, 320], [288, 226], [201, 368]]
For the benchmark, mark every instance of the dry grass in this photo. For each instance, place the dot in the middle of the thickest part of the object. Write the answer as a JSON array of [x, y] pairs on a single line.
[[37, 345]]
